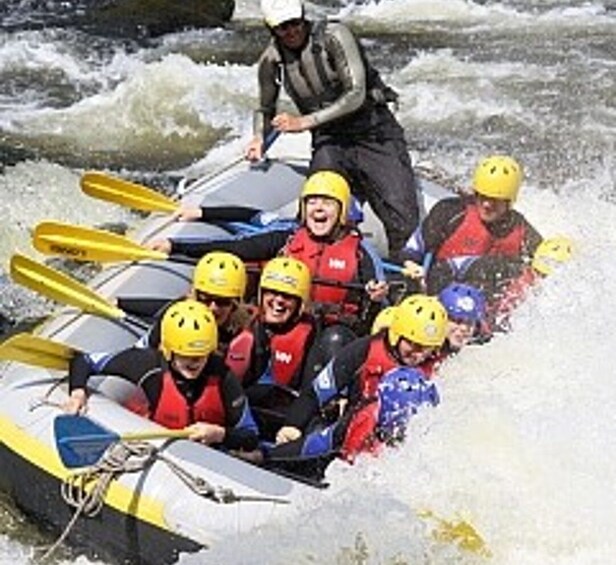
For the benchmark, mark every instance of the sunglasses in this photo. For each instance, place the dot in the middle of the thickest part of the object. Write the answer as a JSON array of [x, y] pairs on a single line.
[[285, 26], [220, 301]]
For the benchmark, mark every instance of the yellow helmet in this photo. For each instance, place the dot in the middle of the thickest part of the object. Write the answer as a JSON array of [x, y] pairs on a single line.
[[330, 185], [220, 274], [383, 319], [550, 253], [188, 328], [420, 319], [287, 275], [498, 177]]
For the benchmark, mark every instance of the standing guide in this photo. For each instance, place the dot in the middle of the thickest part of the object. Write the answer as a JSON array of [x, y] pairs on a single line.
[[342, 101]]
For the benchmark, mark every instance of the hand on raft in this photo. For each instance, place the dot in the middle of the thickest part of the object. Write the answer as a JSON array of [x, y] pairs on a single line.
[[413, 270], [206, 433], [188, 214], [163, 245], [76, 403], [287, 433]]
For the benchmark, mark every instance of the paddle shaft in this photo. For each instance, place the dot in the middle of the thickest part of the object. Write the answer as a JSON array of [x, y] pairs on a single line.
[[131, 436], [187, 186]]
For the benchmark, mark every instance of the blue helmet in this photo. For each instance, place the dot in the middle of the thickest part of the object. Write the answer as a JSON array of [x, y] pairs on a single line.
[[401, 392], [463, 302]]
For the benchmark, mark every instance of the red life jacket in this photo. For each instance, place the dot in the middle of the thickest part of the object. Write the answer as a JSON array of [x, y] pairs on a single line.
[[360, 436], [337, 261], [286, 352], [472, 237], [239, 353], [173, 411], [379, 361]]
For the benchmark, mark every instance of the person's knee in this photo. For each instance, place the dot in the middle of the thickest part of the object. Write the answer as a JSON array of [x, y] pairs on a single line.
[[329, 158]]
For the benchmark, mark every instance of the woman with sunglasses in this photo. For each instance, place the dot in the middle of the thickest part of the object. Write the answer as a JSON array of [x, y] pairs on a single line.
[[219, 282]]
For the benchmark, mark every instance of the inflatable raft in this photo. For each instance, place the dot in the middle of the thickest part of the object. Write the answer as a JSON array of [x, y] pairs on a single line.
[[169, 496]]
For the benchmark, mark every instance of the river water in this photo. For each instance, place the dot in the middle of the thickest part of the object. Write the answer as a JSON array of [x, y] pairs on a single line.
[[523, 445]]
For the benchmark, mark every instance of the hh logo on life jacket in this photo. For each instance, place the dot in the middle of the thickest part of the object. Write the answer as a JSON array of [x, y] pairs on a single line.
[[283, 357], [338, 264]]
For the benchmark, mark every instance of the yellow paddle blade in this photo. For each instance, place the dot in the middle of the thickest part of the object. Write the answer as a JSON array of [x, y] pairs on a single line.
[[60, 287], [460, 532], [87, 244], [125, 193], [39, 351]]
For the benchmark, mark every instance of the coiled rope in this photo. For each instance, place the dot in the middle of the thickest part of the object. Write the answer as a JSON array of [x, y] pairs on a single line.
[[85, 490]]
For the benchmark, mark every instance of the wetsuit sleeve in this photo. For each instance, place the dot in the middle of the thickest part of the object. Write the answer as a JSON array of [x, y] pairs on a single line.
[[439, 224], [344, 53], [134, 365], [228, 214], [367, 270], [241, 431], [156, 309], [269, 89], [250, 248], [307, 373], [337, 376]]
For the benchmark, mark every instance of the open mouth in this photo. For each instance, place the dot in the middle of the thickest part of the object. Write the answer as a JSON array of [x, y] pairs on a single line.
[[320, 219], [278, 308]]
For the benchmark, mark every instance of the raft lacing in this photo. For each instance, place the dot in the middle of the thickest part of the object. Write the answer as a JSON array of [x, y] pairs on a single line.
[[85, 490]]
